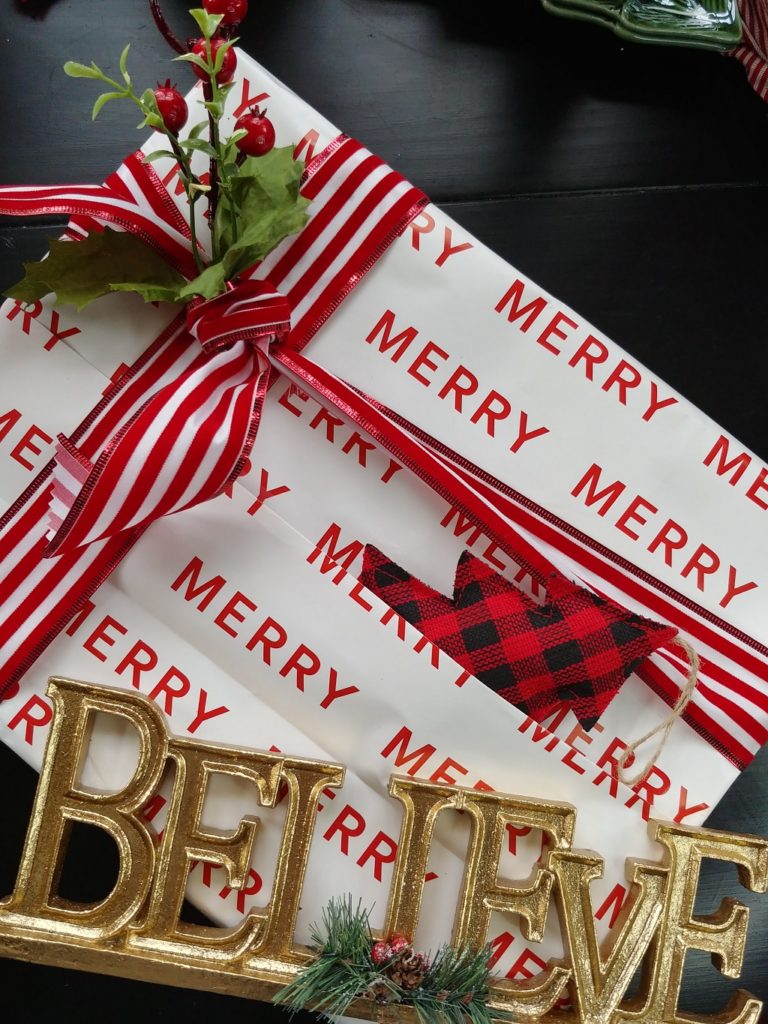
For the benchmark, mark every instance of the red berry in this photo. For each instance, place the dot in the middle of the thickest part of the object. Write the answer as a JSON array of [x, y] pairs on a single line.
[[233, 10], [200, 49], [260, 132], [398, 944], [172, 106], [380, 952]]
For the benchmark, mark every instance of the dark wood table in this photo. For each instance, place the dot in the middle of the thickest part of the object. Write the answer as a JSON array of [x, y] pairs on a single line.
[[630, 181]]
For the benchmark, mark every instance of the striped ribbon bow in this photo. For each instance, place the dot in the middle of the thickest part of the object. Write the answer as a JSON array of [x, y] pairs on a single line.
[[177, 427], [189, 440]]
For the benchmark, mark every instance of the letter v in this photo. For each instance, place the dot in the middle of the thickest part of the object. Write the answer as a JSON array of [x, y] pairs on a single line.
[[600, 983]]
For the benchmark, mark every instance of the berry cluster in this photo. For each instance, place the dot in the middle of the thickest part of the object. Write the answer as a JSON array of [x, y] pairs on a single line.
[[241, 232], [259, 132], [402, 965]]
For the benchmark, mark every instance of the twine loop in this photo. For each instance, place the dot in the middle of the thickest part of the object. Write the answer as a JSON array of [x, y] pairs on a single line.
[[664, 727]]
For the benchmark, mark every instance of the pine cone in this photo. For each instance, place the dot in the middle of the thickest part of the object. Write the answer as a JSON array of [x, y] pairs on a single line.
[[412, 979], [379, 993], [396, 974], [409, 970], [414, 962]]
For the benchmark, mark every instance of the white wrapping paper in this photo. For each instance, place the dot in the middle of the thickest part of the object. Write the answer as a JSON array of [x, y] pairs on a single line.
[[304, 659]]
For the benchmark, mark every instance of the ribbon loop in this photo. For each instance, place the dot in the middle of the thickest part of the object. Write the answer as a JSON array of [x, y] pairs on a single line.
[[178, 427], [247, 311], [182, 447]]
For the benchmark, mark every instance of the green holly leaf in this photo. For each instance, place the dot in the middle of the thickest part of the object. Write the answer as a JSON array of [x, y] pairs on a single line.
[[263, 206], [105, 261], [148, 291], [262, 237], [210, 283], [276, 171]]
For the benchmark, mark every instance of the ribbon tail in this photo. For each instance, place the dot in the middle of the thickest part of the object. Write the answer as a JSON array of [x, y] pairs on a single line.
[[182, 447], [441, 476], [132, 199], [70, 471]]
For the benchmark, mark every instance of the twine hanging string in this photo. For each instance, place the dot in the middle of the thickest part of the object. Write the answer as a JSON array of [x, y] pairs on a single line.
[[664, 728]]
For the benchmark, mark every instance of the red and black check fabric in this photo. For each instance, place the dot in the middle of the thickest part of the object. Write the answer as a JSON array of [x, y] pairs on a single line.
[[577, 647]]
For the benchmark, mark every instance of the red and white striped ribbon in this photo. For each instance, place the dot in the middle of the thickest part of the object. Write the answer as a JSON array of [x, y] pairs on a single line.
[[729, 707], [179, 425], [133, 198], [753, 51]]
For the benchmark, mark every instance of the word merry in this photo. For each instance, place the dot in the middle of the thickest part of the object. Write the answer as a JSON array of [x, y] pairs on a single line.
[[666, 538], [32, 312], [734, 466], [420, 757], [560, 335], [339, 433], [424, 224], [432, 366], [294, 661], [137, 930], [29, 444]]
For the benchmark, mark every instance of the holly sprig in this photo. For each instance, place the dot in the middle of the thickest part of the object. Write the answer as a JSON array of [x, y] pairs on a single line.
[[253, 201], [350, 964]]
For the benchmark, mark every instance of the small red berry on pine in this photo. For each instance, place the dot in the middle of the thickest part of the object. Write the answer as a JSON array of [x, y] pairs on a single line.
[[398, 944], [200, 49], [260, 133], [233, 10], [172, 106], [381, 952]]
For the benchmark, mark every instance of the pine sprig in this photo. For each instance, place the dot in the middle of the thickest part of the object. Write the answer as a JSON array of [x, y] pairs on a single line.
[[454, 989]]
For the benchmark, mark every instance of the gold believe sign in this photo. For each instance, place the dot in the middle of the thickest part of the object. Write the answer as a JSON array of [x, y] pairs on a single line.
[[136, 931]]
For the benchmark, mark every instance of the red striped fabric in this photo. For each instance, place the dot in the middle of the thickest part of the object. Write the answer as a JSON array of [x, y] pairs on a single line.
[[178, 427], [121, 201], [41, 594], [753, 52]]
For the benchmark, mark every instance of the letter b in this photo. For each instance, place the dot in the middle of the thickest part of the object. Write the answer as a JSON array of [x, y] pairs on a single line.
[[61, 800]]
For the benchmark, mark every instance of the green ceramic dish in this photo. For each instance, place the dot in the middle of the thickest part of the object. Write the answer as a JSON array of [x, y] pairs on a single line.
[[706, 24]]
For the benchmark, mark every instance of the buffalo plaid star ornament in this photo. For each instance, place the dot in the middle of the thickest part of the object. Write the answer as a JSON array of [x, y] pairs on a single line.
[[577, 647]]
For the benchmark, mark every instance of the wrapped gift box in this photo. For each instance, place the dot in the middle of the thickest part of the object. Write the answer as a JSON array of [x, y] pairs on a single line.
[[613, 475]]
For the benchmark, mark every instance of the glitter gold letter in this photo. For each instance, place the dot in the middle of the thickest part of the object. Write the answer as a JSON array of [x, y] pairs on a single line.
[[721, 934], [482, 892], [60, 801]]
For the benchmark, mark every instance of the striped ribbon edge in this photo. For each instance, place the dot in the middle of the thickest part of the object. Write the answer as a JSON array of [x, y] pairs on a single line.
[[730, 705], [359, 207]]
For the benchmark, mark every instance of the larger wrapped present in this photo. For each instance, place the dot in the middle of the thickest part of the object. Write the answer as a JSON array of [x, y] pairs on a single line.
[[447, 403]]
